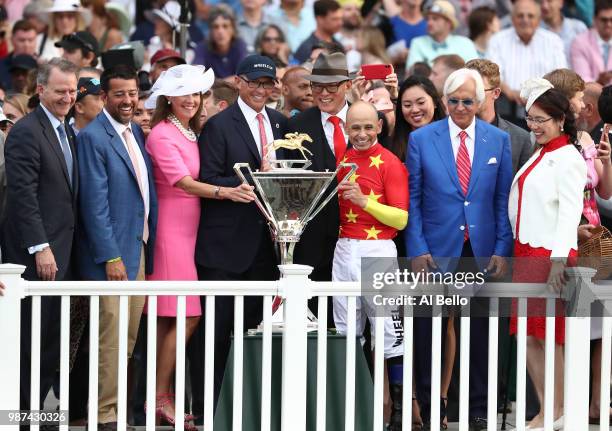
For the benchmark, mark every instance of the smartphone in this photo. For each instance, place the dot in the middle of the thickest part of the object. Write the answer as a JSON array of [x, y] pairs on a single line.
[[376, 71]]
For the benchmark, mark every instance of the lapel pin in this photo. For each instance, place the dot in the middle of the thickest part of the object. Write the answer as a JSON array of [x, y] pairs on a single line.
[[277, 126]]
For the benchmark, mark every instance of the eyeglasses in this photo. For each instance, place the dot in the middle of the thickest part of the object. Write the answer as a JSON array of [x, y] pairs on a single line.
[[605, 20], [537, 120], [468, 103], [271, 39], [491, 89], [266, 85], [331, 88]]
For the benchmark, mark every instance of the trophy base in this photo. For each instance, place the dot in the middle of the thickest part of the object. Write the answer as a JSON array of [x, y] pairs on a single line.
[[278, 322]]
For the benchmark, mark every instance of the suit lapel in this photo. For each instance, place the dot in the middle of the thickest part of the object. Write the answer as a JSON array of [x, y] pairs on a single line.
[[245, 132], [117, 144], [276, 129], [54, 143], [480, 154], [443, 145]]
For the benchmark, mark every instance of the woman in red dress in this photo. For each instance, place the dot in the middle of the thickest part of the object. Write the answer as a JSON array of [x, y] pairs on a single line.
[[545, 208]]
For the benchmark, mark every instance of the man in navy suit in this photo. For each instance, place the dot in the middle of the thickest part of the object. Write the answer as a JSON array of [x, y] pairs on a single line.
[[460, 176], [41, 210], [234, 242], [119, 208]]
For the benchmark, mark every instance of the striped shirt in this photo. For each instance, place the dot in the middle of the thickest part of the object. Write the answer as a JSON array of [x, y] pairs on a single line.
[[518, 61]]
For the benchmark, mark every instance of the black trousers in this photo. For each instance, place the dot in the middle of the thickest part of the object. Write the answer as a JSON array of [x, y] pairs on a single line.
[[479, 330], [50, 311], [264, 268]]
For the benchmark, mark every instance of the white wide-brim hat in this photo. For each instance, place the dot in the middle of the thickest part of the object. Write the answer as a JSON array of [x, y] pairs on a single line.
[[169, 13], [181, 80], [67, 6]]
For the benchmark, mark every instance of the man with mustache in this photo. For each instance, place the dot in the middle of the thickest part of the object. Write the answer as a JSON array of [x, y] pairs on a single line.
[[118, 207]]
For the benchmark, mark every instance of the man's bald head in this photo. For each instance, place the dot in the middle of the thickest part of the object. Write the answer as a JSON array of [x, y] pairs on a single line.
[[589, 116], [362, 125]]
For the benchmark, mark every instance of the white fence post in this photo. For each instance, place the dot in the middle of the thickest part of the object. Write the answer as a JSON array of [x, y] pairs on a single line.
[[10, 323], [577, 354], [294, 285]]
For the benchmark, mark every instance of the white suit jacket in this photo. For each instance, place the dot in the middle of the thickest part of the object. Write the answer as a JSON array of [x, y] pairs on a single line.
[[552, 201]]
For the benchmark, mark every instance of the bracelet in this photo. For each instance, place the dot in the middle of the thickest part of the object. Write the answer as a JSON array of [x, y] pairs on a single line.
[[217, 190], [116, 259]]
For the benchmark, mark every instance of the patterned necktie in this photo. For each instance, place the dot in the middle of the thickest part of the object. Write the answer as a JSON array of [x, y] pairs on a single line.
[[464, 169], [339, 142], [65, 150], [129, 140], [263, 140]]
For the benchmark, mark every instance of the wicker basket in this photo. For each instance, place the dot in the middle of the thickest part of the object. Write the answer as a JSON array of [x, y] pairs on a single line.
[[596, 252]]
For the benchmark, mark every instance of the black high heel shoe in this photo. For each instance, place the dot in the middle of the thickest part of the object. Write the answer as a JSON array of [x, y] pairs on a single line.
[[443, 404]]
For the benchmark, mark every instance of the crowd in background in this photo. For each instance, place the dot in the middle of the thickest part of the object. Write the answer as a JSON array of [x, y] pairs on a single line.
[[119, 153]]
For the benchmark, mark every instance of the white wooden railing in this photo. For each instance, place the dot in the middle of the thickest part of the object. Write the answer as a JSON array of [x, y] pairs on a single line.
[[295, 286]]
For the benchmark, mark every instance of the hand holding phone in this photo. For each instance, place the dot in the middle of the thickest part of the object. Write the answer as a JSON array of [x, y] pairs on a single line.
[[376, 71]]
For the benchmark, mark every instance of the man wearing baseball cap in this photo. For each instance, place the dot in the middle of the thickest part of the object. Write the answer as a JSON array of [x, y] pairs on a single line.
[[163, 60], [80, 48], [233, 240], [88, 103], [441, 22]]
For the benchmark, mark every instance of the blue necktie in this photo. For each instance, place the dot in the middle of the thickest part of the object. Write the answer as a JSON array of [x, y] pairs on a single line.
[[606, 54], [438, 45], [65, 150]]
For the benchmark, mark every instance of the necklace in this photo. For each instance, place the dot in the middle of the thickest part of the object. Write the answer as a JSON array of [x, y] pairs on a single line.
[[188, 133]]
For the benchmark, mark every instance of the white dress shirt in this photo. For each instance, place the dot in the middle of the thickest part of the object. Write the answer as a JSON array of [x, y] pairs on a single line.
[[54, 123], [328, 127], [454, 131], [144, 173], [519, 61], [251, 118]]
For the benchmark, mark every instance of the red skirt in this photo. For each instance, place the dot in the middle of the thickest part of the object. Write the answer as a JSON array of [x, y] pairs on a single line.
[[532, 265]]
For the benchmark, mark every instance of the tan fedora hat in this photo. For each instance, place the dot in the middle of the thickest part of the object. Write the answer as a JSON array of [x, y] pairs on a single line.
[[329, 68], [445, 9]]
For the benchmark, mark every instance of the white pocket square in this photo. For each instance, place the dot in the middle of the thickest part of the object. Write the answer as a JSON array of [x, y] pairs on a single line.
[[492, 161]]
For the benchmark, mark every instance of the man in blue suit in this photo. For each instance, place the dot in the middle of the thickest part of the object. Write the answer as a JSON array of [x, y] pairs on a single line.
[[119, 209], [460, 176]]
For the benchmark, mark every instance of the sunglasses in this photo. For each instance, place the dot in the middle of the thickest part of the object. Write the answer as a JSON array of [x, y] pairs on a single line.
[[468, 103]]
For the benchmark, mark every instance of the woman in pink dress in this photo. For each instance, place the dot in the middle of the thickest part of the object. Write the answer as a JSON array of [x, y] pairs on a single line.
[[545, 207], [173, 147]]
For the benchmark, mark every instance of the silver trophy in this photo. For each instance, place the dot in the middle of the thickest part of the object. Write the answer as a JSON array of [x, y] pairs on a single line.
[[290, 196]]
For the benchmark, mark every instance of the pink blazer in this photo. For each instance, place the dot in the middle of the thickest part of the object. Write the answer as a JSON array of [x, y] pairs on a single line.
[[586, 57]]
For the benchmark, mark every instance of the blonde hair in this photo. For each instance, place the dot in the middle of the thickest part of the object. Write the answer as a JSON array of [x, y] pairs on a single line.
[[54, 34], [19, 101], [373, 42]]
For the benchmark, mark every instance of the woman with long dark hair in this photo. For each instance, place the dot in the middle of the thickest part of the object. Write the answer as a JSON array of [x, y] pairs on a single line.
[[418, 104], [545, 207]]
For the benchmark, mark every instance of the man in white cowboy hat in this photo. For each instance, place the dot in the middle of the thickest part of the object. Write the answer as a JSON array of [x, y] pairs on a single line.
[[441, 22]]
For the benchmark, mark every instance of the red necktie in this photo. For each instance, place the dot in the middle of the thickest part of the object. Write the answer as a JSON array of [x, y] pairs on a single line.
[[262, 139], [464, 169], [339, 142]]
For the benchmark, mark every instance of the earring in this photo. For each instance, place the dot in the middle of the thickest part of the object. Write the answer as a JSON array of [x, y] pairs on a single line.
[[561, 128], [169, 102]]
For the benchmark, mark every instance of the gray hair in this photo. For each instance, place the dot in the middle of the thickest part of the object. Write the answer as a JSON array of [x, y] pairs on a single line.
[[64, 66], [459, 77]]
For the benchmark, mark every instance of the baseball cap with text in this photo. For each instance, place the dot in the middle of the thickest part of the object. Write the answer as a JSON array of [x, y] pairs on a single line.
[[257, 66]]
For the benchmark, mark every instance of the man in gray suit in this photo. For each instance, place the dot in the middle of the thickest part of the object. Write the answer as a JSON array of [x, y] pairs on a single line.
[[522, 145]]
